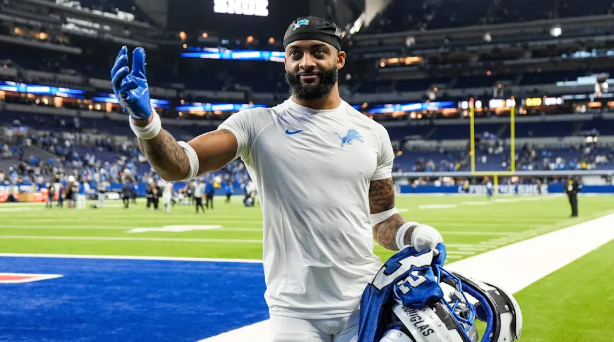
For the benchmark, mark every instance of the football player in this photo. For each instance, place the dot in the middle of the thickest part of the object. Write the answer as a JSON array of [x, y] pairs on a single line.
[[323, 175]]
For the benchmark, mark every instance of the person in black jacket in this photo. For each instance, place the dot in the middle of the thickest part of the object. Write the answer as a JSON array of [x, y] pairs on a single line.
[[126, 193], [573, 187]]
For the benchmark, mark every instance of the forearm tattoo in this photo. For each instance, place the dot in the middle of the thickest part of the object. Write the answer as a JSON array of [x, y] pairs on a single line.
[[385, 233], [381, 195], [381, 198], [165, 155]]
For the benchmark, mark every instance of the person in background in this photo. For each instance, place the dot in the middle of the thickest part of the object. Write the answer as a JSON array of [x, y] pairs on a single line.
[[572, 189], [250, 193], [70, 195], [466, 186], [133, 195], [156, 195], [209, 192], [199, 190], [228, 191], [60, 189], [50, 194], [489, 187], [149, 193], [81, 196], [126, 193], [167, 196], [102, 188], [189, 192]]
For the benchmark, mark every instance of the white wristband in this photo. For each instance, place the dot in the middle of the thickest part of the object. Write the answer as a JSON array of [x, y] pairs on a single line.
[[383, 216], [151, 130], [192, 158], [401, 234]]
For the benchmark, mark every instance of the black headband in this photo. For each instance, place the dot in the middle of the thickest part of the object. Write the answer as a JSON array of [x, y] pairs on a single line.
[[308, 28]]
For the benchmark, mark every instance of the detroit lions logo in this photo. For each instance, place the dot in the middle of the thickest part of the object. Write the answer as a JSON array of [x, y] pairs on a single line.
[[351, 136], [301, 23]]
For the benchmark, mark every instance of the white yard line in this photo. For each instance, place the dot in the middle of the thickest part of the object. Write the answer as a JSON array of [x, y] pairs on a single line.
[[476, 203], [443, 232], [3, 226], [515, 266], [121, 238], [436, 206], [19, 209]]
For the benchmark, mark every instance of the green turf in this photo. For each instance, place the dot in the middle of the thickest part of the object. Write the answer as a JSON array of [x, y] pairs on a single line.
[[467, 228], [573, 304]]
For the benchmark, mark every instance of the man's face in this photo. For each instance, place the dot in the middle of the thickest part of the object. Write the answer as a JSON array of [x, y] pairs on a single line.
[[312, 68]]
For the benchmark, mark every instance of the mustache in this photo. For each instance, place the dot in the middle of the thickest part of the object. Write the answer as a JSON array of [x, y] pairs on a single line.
[[307, 73]]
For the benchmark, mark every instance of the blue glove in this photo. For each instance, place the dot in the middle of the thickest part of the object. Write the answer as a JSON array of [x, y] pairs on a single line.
[[131, 88]]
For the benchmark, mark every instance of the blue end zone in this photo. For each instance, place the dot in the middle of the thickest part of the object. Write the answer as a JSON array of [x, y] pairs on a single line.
[[129, 300]]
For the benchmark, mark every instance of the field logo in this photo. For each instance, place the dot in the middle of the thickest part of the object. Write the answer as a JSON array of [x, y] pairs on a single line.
[[349, 137], [14, 278]]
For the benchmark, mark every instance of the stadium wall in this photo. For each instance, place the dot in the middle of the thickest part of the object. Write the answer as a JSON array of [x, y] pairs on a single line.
[[522, 189]]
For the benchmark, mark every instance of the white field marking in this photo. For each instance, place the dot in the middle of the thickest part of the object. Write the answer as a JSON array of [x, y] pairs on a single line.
[[474, 233], [119, 238], [475, 249], [469, 245], [437, 206], [114, 217], [175, 229], [519, 265], [507, 200], [22, 204], [476, 203], [460, 253], [126, 257], [2, 226], [403, 210], [33, 277], [513, 265], [19, 209]]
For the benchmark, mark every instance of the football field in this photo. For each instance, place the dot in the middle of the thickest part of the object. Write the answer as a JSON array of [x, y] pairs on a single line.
[[572, 304]]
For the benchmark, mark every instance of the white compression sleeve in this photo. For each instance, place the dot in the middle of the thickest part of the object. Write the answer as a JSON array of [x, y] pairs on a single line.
[[151, 130], [383, 216], [192, 158]]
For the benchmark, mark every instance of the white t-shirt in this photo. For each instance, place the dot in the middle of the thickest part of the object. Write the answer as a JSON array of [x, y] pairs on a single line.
[[168, 189], [199, 189], [313, 169]]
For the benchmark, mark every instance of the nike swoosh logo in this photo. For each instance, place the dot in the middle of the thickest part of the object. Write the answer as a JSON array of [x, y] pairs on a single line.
[[291, 133]]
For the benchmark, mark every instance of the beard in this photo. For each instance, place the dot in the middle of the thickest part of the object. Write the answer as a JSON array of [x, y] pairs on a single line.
[[311, 92]]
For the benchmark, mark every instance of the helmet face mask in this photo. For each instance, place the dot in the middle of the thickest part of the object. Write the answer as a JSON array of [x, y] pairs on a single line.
[[453, 318]]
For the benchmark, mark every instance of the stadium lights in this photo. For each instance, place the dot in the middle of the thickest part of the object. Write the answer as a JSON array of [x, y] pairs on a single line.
[[273, 56], [410, 41], [182, 35], [205, 35], [556, 31], [487, 37]]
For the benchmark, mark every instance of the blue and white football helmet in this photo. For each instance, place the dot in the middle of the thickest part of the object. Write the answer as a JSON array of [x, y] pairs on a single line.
[[453, 318]]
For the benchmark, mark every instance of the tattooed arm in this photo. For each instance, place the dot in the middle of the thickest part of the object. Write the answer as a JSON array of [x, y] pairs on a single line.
[[381, 198], [420, 236], [214, 149]]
